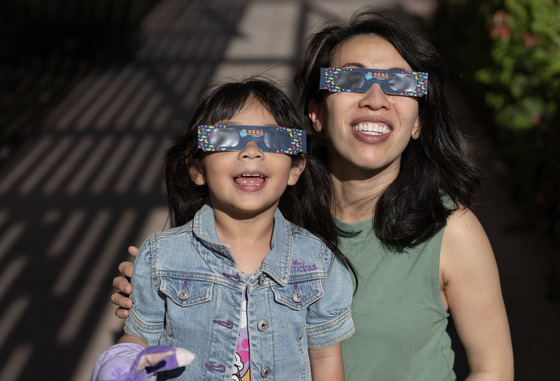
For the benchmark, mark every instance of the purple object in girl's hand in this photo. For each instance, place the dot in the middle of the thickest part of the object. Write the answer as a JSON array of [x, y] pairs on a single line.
[[131, 362]]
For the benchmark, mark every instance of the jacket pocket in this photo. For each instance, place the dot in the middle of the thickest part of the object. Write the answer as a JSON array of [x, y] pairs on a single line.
[[186, 292], [298, 295]]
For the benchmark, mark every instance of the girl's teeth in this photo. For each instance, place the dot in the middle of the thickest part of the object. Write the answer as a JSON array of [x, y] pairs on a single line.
[[250, 179]]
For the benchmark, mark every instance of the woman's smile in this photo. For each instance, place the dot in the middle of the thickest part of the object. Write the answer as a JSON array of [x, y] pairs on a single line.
[[372, 128]]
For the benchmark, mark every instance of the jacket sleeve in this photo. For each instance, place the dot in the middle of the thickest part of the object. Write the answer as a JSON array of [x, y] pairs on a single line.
[[147, 315], [329, 320]]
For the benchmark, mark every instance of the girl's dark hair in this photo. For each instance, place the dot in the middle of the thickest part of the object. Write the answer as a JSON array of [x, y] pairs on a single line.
[[411, 209], [306, 204]]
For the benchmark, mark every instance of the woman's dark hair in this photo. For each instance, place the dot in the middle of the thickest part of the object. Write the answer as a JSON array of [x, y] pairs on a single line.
[[411, 209], [307, 203]]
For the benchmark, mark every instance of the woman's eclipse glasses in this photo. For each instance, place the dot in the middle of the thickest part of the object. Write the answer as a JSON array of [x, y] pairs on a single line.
[[392, 82]]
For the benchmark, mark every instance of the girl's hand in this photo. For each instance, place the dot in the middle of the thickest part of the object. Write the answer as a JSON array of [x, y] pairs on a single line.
[[122, 284]]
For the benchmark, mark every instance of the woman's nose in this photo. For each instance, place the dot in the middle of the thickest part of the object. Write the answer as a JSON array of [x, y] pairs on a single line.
[[375, 98], [251, 151]]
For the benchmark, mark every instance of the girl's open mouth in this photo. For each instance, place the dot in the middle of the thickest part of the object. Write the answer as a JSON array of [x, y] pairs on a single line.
[[250, 179]]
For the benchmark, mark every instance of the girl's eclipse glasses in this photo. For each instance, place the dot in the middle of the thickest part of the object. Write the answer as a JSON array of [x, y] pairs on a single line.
[[212, 138], [392, 82]]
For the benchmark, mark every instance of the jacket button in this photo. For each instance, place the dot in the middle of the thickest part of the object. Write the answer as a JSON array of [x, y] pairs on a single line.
[[297, 297], [265, 372], [262, 278], [262, 325], [184, 294]]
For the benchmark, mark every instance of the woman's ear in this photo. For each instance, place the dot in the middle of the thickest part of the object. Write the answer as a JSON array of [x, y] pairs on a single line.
[[314, 115], [417, 128], [196, 174], [298, 165]]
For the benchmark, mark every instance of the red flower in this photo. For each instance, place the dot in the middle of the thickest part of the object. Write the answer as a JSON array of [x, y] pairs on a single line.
[[500, 18], [502, 32], [530, 40]]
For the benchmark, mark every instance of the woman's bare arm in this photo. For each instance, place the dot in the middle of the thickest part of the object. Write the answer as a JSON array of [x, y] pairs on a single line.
[[472, 290]]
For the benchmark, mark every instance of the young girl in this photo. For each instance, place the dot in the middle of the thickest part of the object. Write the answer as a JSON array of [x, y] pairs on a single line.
[[237, 281]]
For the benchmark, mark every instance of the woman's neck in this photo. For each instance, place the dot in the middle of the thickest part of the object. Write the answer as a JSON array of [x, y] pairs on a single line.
[[356, 196]]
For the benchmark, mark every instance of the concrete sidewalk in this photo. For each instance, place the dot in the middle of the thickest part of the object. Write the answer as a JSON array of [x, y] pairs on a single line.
[[89, 184]]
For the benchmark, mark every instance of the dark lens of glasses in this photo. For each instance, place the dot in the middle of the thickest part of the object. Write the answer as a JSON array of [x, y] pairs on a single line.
[[402, 82], [224, 137], [350, 79], [277, 139]]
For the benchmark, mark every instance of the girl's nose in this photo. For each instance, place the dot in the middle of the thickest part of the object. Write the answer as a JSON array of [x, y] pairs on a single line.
[[251, 151], [375, 98]]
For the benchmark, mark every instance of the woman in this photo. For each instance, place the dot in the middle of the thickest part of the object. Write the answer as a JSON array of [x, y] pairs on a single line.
[[402, 188]]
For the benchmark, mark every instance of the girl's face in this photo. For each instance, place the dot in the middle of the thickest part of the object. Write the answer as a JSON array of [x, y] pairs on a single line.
[[249, 182], [366, 132]]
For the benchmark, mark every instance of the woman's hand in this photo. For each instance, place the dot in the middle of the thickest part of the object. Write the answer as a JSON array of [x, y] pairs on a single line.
[[122, 284]]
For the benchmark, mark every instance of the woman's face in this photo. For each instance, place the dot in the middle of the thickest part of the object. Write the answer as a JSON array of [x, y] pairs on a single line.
[[366, 132]]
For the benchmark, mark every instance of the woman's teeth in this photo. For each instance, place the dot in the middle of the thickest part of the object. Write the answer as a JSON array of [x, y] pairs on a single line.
[[372, 128]]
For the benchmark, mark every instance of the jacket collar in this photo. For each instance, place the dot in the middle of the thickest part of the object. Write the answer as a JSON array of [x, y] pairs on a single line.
[[277, 263]]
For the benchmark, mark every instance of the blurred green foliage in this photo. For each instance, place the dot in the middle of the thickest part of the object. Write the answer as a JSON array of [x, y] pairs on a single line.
[[508, 55], [524, 80]]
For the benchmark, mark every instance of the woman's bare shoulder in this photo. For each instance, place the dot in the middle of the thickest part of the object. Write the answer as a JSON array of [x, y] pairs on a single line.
[[465, 243]]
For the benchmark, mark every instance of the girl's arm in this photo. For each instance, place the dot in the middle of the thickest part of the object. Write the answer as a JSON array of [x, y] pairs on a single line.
[[471, 287], [126, 338], [132, 358], [326, 363], [329, 322]]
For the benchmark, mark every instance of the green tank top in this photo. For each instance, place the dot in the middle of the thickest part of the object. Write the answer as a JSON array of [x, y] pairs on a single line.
[[398, 313]]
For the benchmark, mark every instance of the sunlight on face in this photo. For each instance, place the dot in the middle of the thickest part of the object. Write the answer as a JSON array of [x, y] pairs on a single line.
[[366, 132], [248, 182]]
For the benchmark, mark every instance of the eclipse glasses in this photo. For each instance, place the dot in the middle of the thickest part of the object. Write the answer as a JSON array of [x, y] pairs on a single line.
[[214, 138], [392, 82]]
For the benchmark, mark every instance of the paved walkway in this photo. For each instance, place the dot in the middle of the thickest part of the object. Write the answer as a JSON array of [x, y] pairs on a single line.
[[89, 184]]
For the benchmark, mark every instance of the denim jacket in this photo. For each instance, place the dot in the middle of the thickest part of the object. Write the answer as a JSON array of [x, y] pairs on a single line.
[[187, 293]]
